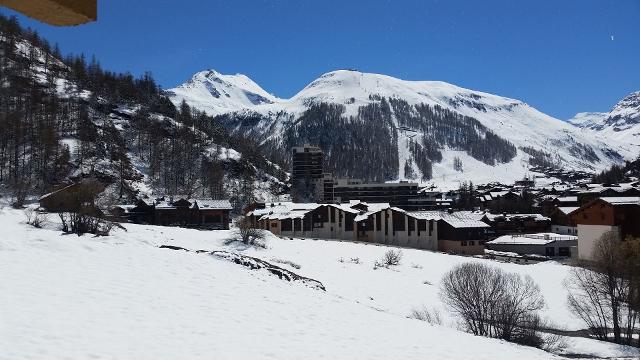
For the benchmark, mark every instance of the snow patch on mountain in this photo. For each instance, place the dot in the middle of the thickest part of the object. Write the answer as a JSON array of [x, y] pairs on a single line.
[[588, 120]]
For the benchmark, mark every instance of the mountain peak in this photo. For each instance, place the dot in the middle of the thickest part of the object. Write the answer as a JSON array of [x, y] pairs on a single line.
[[217, 93]]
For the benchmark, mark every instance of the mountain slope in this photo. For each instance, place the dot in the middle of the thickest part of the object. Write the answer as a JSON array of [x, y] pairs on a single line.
[[216, 93], [63, 119], [416, 130], [587, 120], [621, 125]]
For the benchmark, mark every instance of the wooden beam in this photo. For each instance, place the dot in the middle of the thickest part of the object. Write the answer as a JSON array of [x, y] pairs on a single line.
[[56, 12]]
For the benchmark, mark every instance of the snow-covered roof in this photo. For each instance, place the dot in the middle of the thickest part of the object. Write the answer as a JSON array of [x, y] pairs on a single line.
[[458, 219], [622, 200], [372, 208], [56, 191], [202, 203], [568, 209], [283, 210], [531, 239], [213, 204], [515, 255], [509, 217], [568, 199]]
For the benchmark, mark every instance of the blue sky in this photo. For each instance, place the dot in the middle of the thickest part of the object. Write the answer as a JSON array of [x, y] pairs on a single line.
[[560, 56]]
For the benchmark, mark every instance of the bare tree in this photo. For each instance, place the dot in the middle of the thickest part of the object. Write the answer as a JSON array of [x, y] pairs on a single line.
[[605, 293], [36, 218], [493, 303]]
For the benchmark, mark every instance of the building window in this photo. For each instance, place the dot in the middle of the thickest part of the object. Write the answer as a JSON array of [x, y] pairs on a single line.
[[464, 243], [472, 243]]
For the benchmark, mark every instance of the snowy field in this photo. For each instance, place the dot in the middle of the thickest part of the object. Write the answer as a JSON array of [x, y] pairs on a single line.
[[122, 297]]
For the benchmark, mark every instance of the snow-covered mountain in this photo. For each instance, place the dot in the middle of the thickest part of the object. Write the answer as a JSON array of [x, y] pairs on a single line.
[[216, 93], [411, 129], [588, 120], [620, 126]]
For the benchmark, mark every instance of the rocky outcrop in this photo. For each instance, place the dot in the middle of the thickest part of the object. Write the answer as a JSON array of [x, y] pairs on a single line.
[[256, 264]]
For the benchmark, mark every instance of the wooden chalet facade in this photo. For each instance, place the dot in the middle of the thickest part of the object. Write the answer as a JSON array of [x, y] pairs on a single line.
[[75, 197], [619, 215], [182, 211], [504, 224]]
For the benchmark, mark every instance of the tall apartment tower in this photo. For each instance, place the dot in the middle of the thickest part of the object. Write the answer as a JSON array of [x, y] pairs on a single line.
[[307, 178]]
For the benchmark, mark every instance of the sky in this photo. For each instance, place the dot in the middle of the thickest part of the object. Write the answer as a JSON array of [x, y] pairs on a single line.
[[561, 57]]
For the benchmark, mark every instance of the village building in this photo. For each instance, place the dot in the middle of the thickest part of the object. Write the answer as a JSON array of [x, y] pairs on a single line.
[[536, 247], [462, 233], [380, 223], [75, 197], [562, 222], [177, 211], [590, 192], [503, 224], [618, 215]]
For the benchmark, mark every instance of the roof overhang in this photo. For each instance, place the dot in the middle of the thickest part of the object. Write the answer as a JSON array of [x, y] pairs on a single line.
[[56, 12]]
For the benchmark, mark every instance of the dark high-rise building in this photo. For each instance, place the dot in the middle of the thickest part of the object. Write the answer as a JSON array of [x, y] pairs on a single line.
[[307, 179]]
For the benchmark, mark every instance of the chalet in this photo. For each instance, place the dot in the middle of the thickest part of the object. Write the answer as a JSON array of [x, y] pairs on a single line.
[[193, 212], [461, 233], [595, 191], [541, 246], [562, 222], [180, 211], [504, 224], [565, 201], [502, 199], [73, 197], [619, 215]]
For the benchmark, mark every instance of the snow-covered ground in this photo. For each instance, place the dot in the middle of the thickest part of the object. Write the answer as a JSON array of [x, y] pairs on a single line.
[[122, 297]]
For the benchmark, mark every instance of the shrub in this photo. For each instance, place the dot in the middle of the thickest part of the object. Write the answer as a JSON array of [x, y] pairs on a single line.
[[82, 222], [493, 303], [247, 233], [430, 316], [392, 258], [36, 218]]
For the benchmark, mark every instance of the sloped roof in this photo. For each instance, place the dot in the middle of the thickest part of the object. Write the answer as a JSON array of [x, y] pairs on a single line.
[[622, 200], [459, 219], [213, 204], [568, 209], [509, 217], [532, 239]]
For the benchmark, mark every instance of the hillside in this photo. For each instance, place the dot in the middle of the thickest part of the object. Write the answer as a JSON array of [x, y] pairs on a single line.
[[621, 125], [415, 130], [121, 296], [63, 118]]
